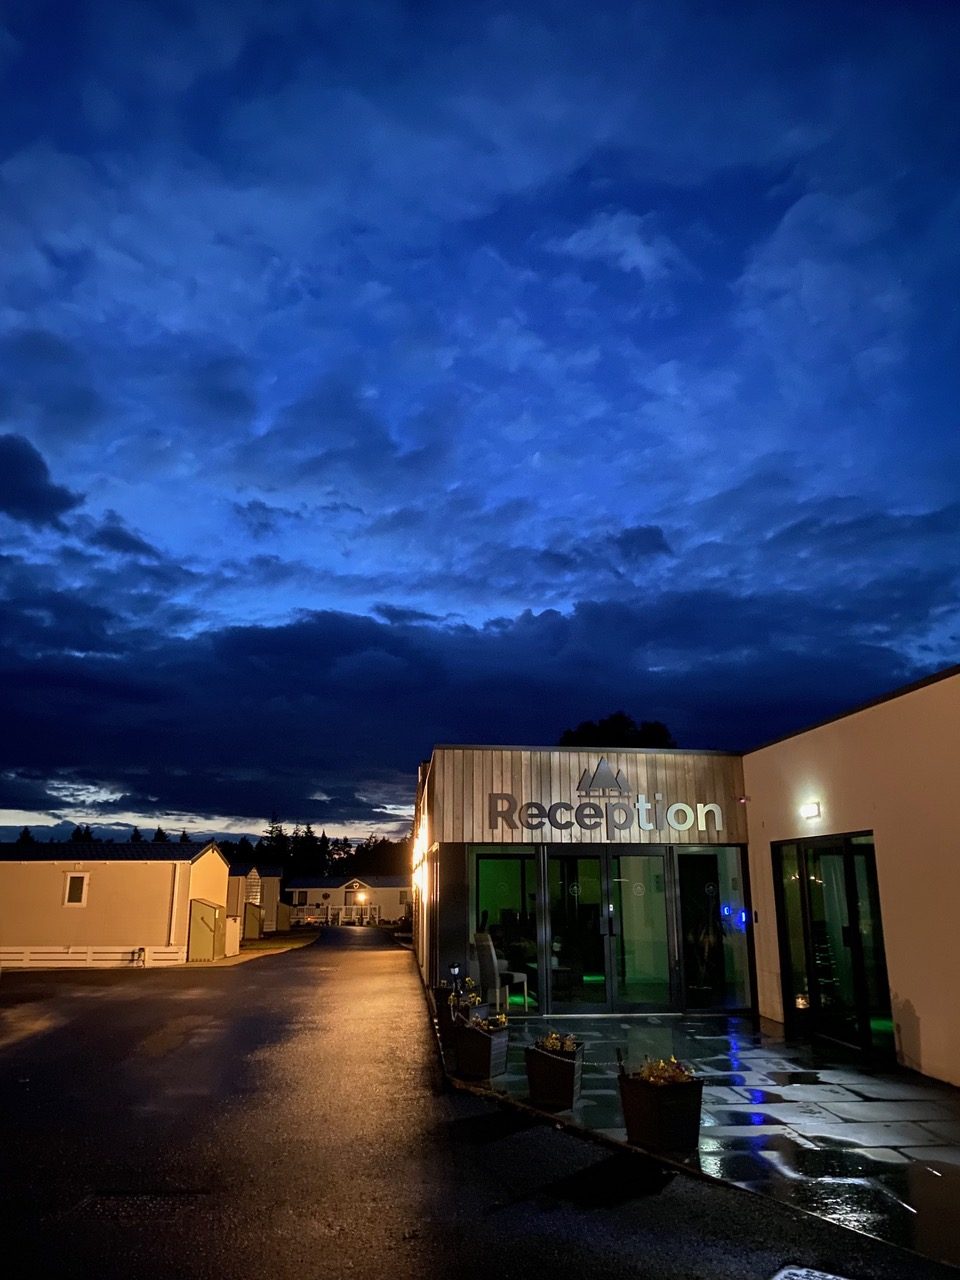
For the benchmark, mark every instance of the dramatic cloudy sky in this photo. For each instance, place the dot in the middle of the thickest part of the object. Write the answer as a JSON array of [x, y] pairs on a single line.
[[376, 374]]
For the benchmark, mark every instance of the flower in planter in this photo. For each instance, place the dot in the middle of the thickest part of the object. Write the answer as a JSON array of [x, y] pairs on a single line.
[[465, 995], [497, 1022], [662, 1071], [554, 1042]]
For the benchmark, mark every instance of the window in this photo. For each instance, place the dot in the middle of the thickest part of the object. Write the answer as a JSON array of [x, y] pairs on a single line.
[[75, 889], [405, 897], [301, 898]]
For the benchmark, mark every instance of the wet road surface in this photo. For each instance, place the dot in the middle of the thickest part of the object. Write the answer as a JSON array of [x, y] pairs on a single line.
[[287, 1117], [874, 1149]]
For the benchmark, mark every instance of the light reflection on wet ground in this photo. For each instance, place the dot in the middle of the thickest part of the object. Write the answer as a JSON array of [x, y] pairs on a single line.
[[874, 1150]]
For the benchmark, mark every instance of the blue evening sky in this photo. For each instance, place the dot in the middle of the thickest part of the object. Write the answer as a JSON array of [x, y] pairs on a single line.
[[377, 374]]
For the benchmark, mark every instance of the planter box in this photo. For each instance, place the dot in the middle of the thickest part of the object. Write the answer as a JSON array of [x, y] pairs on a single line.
[[662, 1118], [480, 1054], [554, 1078]]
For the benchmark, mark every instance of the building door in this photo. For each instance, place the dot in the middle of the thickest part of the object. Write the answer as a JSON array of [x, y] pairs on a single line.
[[833, 964], [609, 931]]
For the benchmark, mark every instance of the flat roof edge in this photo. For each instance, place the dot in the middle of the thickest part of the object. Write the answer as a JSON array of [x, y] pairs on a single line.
[[640, 751]]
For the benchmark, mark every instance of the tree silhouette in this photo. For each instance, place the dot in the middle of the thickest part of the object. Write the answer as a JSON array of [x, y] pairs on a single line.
[[26, 837], [618, 730], [160, 836], [184, 838], [135, 836], [275, 840]]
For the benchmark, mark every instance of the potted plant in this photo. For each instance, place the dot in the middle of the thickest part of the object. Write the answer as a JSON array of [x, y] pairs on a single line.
[[481, 1046], [661, 1106], [452, 1002], [554, 1069]]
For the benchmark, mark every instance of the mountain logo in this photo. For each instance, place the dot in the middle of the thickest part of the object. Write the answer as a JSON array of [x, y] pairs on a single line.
[[602, 781]]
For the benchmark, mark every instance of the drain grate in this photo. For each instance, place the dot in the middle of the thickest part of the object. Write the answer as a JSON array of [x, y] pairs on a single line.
[[118, 1205], [804, 1273]]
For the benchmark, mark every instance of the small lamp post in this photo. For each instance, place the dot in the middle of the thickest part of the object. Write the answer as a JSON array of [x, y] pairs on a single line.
[[455, 976], [361, 898]]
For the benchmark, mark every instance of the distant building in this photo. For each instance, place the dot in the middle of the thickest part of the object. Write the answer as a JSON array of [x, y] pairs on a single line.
[[811, 882], [348, 900], [253, 894], [111, 905]]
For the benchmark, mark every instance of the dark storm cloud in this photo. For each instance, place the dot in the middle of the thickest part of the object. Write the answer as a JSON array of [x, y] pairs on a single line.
[[114, 536], [261, 519], [334, 438], [317, 718], [26, 491], [393, 614], [18, 791], [639, 541], [48, 386], [220, 388]]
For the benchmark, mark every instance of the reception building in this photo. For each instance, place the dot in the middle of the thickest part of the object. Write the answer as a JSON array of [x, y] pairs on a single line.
[[811, 882]]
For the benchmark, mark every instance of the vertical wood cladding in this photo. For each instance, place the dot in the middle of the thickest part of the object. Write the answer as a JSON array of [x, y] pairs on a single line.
[[465, 777]]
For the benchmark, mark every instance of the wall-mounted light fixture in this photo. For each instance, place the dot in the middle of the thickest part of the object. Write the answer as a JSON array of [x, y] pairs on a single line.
[[810, 810]]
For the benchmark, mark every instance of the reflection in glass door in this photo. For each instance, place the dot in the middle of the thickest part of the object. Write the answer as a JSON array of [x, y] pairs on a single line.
[[833, 964], [610, 940], [639, 931], [714, 923], [830, 937], [579, 934]]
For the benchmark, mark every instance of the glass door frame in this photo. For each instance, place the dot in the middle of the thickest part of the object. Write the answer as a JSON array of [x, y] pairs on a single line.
[[679, 977], [668, 856], [806, 1022], [568, 853]]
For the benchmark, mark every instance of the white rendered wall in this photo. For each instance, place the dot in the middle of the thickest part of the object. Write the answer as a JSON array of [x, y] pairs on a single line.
[[893, 769]]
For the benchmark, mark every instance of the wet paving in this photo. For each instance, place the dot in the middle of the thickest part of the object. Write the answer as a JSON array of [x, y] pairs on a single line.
[[875, 1150]]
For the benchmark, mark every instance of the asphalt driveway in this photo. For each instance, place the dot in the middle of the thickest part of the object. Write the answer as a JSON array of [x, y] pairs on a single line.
[[287, 1117]]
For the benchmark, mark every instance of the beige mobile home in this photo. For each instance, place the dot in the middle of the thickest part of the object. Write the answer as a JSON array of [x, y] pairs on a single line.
[[111, 905], [356, 900], [258, 885]]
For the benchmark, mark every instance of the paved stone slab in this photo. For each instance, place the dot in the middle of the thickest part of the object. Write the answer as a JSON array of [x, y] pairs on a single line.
[[893, 1111]]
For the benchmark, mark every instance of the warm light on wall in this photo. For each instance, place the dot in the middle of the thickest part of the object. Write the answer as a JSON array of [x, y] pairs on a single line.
[[810, 810], [419, 858]]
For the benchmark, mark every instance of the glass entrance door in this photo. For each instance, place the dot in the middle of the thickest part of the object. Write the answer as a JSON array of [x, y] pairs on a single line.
[[578, 934], [640, 932], [610, 940], [831, 941], [833, 984]]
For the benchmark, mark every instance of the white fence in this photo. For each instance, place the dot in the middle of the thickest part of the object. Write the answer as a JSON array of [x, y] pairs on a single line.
[[335, 915], [90, 957]]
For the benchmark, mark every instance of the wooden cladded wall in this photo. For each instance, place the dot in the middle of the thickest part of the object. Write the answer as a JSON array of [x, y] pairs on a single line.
[[462, 779]]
